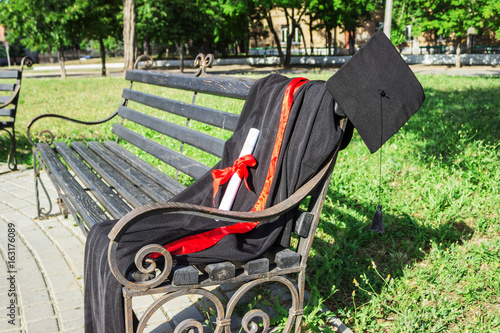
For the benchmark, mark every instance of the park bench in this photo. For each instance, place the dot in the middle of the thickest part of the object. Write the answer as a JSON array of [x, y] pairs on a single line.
[[487, 48], [101, 181], [8, 106], [436, 48]]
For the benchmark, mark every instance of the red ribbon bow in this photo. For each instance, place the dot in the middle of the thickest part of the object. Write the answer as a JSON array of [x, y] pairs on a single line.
[[221, 176]]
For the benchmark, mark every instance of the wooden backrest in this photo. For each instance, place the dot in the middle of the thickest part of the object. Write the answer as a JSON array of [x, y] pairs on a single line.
[[171, 126], [10, 81], [10, 86]]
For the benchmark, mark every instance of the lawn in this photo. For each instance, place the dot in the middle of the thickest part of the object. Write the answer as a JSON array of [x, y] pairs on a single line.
[[436, 269]]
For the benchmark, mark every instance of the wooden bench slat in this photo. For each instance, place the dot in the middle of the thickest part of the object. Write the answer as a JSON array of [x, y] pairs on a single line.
[[221, 119], [10, 74], [205, 142], [80, 200], [147, 185], [6, 113], [129, 191], [167, 182], [109, 199], [6, 123], [4, 99], [183, 163], [214, 85], [7, 86]]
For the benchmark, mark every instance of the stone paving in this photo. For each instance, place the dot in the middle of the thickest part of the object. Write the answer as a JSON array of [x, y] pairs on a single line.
[[42, 268]]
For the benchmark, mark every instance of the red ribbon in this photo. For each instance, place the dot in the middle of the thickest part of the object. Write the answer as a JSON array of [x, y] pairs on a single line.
[[221, 176]]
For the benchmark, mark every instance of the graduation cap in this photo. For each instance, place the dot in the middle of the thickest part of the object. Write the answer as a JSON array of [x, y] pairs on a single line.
[[377, 91]]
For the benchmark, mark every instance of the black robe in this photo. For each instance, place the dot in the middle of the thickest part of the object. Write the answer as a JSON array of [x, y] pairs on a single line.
[[309, 139]]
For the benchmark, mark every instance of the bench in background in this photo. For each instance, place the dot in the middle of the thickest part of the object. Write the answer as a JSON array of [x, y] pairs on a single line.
[[11, 84]]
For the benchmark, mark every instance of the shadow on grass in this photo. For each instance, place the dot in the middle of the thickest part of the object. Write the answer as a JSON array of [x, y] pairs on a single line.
[[23, 150], [353, 247]]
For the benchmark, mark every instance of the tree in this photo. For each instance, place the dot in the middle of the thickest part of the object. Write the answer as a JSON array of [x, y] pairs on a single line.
[[100, 19], [178, 22], [328, 13], [449, 18], [490, 11], [43, 25], [231, 21], [352, 14], [294, 10]]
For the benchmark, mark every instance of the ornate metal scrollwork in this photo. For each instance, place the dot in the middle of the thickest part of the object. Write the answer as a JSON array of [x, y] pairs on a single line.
[[188, 323], [294, 310], [41, 137], [203, 62], [141, 258], [145, 57], [248, 320], [26, 61]]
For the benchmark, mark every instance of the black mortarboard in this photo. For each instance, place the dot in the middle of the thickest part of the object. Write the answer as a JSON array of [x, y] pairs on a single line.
[[377, 91]]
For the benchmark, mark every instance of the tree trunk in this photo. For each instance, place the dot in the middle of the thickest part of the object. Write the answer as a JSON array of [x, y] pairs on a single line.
[[276, 38], [288, 54], [61, 62], [180, 49], [303, 39], [311, 43], [457, 60], [147, 44], [129, 39], [335, 41], [289, 39], [352, 40], [103, 56], [329, 41]]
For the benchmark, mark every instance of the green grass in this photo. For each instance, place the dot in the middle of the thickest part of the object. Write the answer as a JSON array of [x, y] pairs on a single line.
[[436, 269]]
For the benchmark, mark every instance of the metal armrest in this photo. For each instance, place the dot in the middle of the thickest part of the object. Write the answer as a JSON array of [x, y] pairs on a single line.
[[13, 97], [47, 115]]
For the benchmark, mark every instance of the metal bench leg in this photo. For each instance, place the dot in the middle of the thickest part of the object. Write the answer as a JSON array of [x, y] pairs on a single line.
[[129, 316], [301, 288], [12, 157], [36, 168]]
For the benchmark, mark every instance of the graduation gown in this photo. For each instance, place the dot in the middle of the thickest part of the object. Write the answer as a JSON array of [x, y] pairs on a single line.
[[306, 140]]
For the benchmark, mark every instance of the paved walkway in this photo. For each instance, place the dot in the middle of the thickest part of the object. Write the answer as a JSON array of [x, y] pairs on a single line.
[[43, 268]]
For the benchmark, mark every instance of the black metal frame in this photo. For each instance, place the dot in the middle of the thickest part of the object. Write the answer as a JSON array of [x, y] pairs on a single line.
[[9, 126]]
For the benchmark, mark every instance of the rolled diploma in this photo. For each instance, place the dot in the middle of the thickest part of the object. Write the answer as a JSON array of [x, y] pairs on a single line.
[[235, 181]]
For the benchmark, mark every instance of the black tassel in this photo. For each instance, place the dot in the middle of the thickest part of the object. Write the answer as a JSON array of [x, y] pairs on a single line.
[[378, 223]]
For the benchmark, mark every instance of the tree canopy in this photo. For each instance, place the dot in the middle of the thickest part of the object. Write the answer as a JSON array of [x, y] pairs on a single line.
[[227, 25]]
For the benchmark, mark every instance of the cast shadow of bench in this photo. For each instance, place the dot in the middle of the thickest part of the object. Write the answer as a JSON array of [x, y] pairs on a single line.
[[349, 249]]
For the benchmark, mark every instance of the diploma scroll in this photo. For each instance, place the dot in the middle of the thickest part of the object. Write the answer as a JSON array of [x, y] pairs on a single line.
[[235, 181]]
